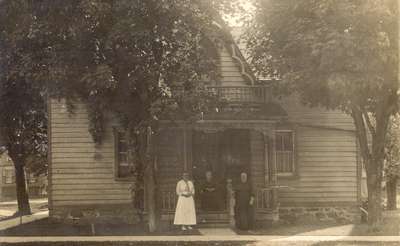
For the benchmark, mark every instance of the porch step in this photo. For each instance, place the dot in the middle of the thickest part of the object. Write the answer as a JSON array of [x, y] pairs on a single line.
[[213, 224], [217, 231], [213, 220], [206, 220]]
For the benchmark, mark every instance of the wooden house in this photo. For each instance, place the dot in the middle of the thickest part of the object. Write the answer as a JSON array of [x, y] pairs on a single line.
[[301, 161]]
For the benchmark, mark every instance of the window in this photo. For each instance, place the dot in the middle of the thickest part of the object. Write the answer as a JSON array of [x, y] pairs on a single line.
[[8, 175], [123, 169], [284, 146], [32, 178]]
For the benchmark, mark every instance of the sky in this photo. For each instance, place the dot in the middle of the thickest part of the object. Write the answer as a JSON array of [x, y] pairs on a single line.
[[234, 21]]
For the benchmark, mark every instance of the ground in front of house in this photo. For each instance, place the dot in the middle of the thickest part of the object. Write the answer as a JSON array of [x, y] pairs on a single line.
[[8, 208], [46, 227], [45, 232], [37, 232]]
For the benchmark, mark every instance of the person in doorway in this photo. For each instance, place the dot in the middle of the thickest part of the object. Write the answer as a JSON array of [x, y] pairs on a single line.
[[210, 194], [244, 205], [185, 213]]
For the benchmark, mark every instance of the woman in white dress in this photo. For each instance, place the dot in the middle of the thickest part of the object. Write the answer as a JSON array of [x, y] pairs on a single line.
[[185, 213]]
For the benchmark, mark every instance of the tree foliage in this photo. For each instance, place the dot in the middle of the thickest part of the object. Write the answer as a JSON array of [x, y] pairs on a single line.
[[392, 150], [335, 54], [23, 118], [137, 61]]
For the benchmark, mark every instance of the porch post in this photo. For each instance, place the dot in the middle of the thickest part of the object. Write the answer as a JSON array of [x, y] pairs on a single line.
[[230, 199], [274, 174], [266, 158], [185, 164]]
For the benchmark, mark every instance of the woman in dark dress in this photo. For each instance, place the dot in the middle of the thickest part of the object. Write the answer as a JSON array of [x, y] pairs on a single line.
[[244, 208], [210, 195]]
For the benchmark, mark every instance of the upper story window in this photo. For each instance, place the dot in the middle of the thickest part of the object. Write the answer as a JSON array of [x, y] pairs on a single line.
[[8, 175], [122, 167], [284, 155]]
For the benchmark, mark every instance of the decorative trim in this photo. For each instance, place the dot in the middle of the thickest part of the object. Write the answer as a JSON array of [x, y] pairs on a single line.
[[49, 159], [241, 63], [325, 127], [220, 126], [359, 171]]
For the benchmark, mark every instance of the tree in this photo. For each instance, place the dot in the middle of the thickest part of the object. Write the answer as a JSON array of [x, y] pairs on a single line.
[[138, 60], [339, 55], [392, 161], [23, 117]]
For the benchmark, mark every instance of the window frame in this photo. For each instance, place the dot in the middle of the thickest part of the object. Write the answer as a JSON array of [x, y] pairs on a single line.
[[293, 173], [8, 170], [116, 133]]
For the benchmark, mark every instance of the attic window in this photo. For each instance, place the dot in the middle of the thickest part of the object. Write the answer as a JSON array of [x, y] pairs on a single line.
[[284, 155]]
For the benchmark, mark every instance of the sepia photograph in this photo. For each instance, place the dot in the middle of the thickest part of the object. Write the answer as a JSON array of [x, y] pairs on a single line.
[[199, 122]]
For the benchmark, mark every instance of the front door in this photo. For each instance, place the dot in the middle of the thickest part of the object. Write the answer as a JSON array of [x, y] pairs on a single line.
[[218, 156]]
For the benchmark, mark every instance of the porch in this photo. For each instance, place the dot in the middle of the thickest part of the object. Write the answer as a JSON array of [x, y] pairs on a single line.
[[226, 148]]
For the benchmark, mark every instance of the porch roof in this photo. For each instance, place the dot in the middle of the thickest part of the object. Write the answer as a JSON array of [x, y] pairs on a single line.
[[267, 111]]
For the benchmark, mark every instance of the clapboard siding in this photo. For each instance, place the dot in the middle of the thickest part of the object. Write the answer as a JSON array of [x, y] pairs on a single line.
[[78, 178], [301, 114], [327, 170]]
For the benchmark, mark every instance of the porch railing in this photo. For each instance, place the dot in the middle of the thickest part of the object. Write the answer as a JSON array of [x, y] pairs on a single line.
[[263, 200], [242, 94], [168, 200]]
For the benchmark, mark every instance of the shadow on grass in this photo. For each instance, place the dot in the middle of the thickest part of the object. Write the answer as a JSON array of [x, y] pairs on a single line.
[[291, 229], [46, 227], [390, 227]]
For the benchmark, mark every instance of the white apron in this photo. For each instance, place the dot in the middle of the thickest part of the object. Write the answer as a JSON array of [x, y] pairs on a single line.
[[185, 213]]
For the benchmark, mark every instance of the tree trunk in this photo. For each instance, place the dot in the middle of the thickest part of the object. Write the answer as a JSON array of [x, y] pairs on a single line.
[[373, 159], [22, 194], [374, 198], [391, 192]]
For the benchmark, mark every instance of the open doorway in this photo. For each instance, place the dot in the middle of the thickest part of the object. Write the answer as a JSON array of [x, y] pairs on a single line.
[[218, 156]]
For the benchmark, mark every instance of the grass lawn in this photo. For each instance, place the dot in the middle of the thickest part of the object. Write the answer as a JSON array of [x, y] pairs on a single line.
[[46, 227], [388, 229]]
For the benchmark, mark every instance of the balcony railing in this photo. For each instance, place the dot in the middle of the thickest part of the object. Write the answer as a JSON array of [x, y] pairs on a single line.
[[242, 94], [235, 94]]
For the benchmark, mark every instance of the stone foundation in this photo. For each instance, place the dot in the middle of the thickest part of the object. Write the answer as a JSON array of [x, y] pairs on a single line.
[[128, 215], [310, 215], [86, 215]]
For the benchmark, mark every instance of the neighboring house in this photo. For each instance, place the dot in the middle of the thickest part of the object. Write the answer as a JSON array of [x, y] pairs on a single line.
[[302, 162], [36, 185]]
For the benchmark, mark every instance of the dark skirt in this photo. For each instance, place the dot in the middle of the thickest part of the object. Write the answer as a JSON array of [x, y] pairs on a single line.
[[244, 212]]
